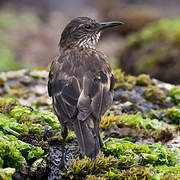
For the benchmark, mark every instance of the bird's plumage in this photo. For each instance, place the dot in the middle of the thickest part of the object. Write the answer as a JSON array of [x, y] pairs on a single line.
[[81, 84]]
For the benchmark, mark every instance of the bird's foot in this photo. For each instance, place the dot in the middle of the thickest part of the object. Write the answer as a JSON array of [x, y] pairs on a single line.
[[107, 140], [63, 164]]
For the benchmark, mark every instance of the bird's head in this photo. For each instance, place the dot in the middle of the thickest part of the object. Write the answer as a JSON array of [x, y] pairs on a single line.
[[83, 32]]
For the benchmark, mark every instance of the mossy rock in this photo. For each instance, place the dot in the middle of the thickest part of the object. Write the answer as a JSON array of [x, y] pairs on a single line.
[[155, 95], [154, 50], [31, 134]]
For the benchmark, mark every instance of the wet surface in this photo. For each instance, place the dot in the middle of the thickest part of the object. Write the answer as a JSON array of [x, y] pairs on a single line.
[[51, 166], [55, 162], [133, 101]]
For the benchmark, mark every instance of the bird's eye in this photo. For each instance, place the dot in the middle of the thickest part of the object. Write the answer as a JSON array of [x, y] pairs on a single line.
[[87, 26]]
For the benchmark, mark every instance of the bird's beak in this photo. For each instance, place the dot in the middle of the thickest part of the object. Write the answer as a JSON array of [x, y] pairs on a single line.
[[105, 25]]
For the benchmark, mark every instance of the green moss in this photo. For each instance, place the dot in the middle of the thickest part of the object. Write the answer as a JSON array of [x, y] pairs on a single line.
[[140, 153], [143, 80], [35, 74], [93, 177], [170, 115], [134, 173], [173, 115], [7, 104], [137, 119], [165, 172], [174, 94], [14, 152], [10, 125], [25, 114], [128, 82], [49, 118], [122, 80], [10, 155], [155, 95], [79, 169], [109, 121], [6, 173], [17, 120]]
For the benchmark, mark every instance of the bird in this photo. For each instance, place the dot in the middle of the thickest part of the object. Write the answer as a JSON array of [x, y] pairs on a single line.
[[81, 83]]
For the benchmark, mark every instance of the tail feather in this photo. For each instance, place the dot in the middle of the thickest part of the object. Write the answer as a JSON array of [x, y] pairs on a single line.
[[87, 133]]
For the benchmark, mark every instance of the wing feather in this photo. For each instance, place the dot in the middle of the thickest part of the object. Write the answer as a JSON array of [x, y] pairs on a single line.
[[82, 90]]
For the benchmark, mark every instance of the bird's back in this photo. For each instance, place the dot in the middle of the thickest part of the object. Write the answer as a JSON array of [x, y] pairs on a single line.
[[81, 86]]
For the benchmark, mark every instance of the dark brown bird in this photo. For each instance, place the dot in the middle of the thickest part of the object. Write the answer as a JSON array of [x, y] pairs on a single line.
[[81, 83]]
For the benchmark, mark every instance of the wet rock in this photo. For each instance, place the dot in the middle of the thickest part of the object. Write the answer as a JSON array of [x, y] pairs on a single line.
[[55, 161], [129, 116]]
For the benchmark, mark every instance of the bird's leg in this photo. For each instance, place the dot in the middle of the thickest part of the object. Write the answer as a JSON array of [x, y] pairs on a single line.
[[100, 142], [64, 133]]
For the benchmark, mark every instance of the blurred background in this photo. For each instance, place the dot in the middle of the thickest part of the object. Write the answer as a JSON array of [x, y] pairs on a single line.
[[149, 42]]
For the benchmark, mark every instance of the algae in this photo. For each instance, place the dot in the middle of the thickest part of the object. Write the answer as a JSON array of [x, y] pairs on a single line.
[[23, 149], [6, 173], [137, 121], [40, 129], [139, 153], [156, 160], [174, 94], [25, 115], [169, 115], [165, 173], [132, 160]]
